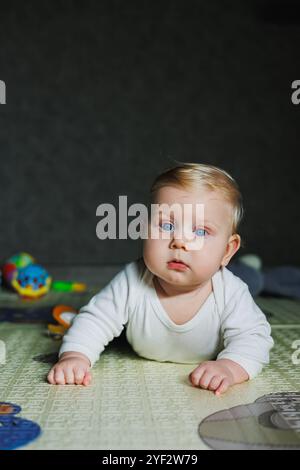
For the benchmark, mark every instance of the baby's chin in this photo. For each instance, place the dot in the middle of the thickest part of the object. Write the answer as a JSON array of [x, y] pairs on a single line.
[[176, 277]]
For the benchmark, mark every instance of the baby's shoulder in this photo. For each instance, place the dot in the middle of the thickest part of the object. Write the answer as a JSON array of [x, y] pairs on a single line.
[[229, 284], [232, 281], [137, 278], [137, 275], [135, 270]]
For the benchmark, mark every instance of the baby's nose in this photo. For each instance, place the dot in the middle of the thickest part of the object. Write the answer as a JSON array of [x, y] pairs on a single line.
[[186, 241], [178, 243], [180, 240]]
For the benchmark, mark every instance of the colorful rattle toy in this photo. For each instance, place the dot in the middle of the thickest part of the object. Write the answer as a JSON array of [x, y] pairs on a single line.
[[22, 274], [28, 279]]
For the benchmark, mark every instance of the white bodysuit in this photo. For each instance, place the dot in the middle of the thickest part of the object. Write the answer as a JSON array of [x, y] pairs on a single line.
[[228, 325]]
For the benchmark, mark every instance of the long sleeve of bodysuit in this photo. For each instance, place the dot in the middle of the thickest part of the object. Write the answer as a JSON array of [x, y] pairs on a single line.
[[246, 333], [103, 318]]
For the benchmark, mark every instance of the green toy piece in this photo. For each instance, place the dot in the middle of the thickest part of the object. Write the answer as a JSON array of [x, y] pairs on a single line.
[[68, 286]]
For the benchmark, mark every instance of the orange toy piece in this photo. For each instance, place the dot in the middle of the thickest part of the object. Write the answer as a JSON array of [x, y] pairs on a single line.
[[64, 315]]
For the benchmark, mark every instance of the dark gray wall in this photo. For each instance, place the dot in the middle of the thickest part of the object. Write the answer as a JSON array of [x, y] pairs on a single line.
[[101, 96]]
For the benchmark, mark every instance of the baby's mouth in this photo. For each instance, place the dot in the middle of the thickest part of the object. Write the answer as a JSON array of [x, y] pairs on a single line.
[[177, 264]]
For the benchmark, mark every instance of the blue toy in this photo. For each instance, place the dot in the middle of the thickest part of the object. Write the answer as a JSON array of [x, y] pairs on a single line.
[[32, 281], [22, 274]]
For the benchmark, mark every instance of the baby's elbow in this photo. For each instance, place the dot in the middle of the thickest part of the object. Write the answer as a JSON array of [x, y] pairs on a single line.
[[270, 345]]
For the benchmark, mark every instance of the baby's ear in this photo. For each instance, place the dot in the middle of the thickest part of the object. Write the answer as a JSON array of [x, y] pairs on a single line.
[[232, 247]]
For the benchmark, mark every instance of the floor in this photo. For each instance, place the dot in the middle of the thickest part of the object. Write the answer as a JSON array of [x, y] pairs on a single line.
[[132, 403]]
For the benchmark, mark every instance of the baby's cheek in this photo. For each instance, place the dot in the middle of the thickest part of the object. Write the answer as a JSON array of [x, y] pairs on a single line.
[[196, 246], [149, 253], [154, 252], [202, 268]]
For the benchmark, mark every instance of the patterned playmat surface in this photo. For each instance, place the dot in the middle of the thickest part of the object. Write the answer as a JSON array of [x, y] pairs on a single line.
[[132, 403]]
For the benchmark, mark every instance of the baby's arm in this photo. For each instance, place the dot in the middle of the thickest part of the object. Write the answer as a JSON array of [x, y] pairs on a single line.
[[72, 368], [97, 323], [218, 375], [247, 342]]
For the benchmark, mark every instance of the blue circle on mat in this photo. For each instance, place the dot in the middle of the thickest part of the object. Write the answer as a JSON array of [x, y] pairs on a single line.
[[16, 432]]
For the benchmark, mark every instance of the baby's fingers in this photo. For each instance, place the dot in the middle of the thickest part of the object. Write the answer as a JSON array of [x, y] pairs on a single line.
[[69, 376], [196, 375], [205, 379], [50, 377], [80, 375], [215, 382], [222, 387], [87, 378], [59, 376]]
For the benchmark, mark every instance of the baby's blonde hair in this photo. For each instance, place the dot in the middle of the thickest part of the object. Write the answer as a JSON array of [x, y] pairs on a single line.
[[193, 176]]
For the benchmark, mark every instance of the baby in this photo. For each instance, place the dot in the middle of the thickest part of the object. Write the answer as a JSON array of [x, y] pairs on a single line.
[[178, 302]]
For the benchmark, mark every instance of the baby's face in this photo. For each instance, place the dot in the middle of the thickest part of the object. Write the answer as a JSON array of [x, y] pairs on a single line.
[[200, 243]]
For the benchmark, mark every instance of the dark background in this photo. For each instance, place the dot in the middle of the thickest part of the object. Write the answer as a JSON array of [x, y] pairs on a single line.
[[103, 95]]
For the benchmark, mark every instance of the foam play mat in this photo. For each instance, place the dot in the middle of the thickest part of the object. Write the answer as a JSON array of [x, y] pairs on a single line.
[[134, 403]]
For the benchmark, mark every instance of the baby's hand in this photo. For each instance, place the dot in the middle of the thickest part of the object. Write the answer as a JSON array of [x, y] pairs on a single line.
[[218, 375], [72, 368]]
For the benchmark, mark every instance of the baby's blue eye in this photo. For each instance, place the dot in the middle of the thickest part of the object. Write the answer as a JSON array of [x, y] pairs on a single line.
[[200, 232], [167, 226]]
